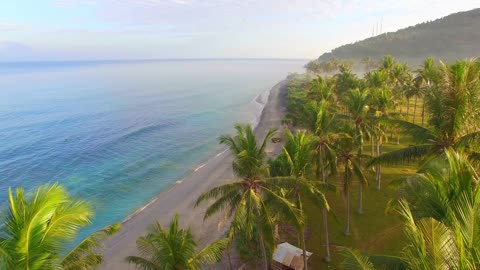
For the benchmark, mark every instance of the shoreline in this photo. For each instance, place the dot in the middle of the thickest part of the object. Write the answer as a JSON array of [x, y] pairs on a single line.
[[181, 195]]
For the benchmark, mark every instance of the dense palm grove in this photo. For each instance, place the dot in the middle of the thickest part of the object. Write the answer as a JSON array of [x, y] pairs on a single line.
[[337, 131]]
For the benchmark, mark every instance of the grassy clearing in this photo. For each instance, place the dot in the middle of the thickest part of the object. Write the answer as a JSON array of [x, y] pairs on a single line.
[[375, 231]]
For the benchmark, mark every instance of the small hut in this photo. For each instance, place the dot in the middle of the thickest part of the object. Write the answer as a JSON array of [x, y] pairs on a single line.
[[288, 257]]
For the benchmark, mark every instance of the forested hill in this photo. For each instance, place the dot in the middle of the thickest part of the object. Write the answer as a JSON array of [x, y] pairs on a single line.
[[451, 37]]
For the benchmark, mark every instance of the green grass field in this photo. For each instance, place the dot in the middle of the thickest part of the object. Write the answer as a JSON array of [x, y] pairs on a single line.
[[374, 232]]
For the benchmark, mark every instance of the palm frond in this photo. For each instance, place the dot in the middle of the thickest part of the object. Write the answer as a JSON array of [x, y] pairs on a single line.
[[86, 255], [388, 262], [285, 208], [357, 170], [418, 133], [405, 155], [142, 263], [38, 226], [219, 191], [353, 260], [470, 141], [210, 254]]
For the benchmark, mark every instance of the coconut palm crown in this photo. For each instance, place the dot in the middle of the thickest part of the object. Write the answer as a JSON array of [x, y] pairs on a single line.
[[38, 227]]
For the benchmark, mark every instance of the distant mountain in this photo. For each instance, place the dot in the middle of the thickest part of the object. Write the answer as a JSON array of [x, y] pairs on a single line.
[[449, 38]]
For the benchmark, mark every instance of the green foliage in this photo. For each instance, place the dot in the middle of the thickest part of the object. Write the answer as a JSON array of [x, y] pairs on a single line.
[[345, 80], [441, 211], [254, 201], [353, 260], [452, 104], [38, 226], [174, 249], [342, 111], [249, 248]]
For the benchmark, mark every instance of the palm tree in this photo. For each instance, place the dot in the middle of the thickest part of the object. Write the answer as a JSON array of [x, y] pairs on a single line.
[[382, 100], [321, 89], [321, 123], [297, 157], [427, 77], [345, 80], [344, 148], [252, 200], [387, 63], [36, 228], [357, 103], [441, 211], [174, 249], [453, 121]]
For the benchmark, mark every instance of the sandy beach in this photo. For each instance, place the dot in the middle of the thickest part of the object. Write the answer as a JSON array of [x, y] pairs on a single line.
[[180, 197]]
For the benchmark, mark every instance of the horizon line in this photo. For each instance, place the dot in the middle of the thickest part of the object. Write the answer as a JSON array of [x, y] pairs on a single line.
[[157, 59]]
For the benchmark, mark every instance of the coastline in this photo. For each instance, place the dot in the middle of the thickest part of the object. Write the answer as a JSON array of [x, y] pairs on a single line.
[[181, 195]]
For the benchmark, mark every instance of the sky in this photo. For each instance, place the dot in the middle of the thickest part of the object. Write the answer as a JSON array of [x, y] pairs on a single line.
[[153, 29]]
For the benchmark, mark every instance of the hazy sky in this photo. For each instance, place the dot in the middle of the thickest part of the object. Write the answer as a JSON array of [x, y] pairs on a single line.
[[125, 29]]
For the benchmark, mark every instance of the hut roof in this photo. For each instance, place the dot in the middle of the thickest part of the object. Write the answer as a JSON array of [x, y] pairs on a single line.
[[289, 255]]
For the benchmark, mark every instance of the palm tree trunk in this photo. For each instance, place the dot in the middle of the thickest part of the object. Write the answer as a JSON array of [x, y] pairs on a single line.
[[377, 167], [347, 194], [322, 169], [360, 187], [423, 111], [325, 231], [415, 109], [262, 245], [304, 250], [372, 141], [398, 135], [408, 108], [229, 259], [319, 163], [401, 107], [324, 214]]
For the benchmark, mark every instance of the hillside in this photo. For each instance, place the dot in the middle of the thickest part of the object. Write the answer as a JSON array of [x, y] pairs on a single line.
[[451, 37]]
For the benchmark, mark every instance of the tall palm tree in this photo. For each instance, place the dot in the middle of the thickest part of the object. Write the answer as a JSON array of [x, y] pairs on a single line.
[[454, 116], [297, 159], [252, 200], [36, 228], [427, 76], [174, 249], [344, 149], [357, 103], [382, 100], [322, 124]]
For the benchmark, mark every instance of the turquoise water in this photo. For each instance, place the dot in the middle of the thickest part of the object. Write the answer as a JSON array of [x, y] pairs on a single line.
[[118, 133]]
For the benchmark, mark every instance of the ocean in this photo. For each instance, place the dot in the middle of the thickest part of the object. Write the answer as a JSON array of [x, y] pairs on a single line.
[[116, 133]]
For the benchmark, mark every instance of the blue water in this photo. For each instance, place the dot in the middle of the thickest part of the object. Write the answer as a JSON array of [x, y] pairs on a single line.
[[118, 133]]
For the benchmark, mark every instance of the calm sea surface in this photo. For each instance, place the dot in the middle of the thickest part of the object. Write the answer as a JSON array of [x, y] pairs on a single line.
[[118, 133]]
